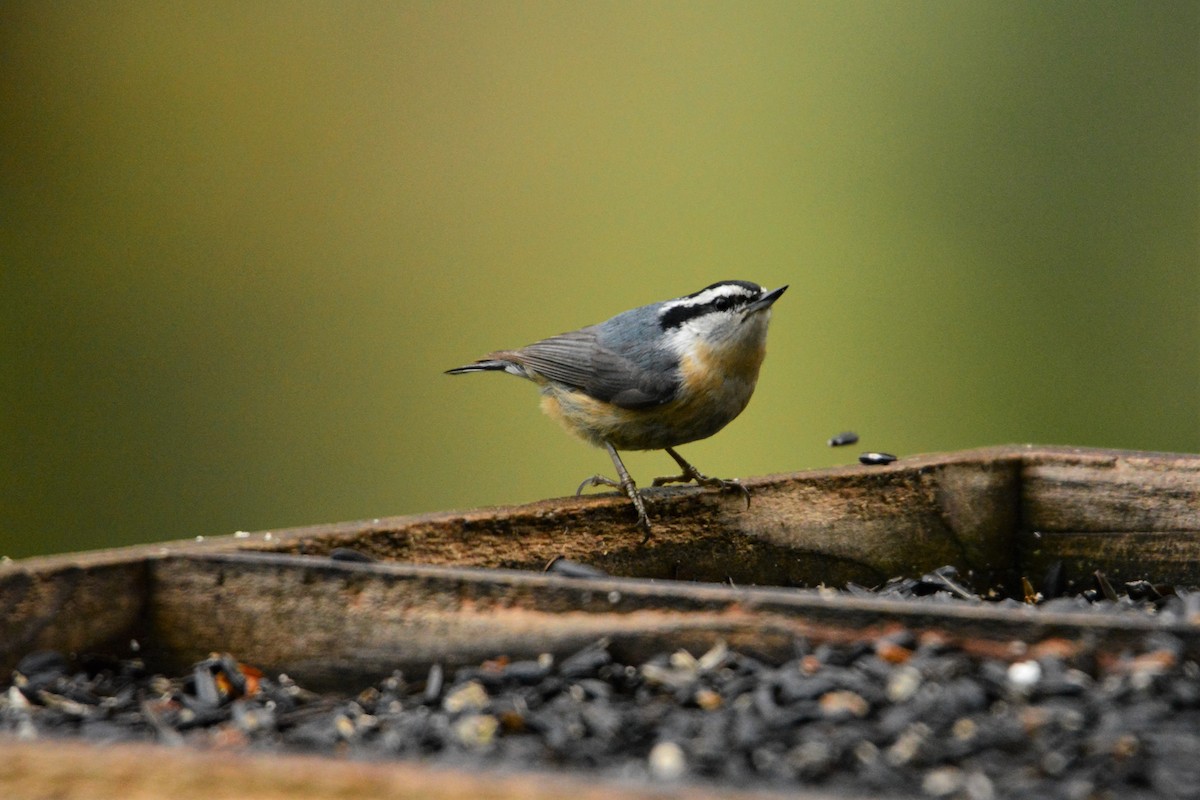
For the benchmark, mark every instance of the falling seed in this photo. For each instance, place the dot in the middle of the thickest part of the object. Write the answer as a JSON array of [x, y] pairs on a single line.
[[876, 459], [843, 439]]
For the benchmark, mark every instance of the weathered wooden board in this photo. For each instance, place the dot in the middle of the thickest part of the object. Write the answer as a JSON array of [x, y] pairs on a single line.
[[453, 593], [832, 526], [997, 514], [1130, 515], [331, 624], [1104, 491], [71, 605]]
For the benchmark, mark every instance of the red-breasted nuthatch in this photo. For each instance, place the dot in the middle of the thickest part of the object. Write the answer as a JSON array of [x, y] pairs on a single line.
[[651, 378]]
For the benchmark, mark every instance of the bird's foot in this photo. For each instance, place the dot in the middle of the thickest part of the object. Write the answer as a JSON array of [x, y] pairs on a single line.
[[692, 475], [597, 480], [706, 481], [630, 489]]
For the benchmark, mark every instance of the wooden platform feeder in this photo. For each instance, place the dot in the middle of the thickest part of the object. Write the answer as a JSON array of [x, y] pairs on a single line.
[[460, 587]]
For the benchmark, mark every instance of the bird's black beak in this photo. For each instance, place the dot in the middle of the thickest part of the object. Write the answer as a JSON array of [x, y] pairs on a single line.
[[765, 301]]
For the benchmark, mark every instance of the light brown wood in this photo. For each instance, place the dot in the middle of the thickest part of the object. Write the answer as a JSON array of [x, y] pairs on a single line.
[[75, 771]]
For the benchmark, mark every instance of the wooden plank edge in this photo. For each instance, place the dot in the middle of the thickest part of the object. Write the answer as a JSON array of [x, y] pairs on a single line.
[[72, 770]]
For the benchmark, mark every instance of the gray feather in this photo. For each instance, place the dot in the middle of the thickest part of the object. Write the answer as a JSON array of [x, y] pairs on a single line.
[[608, 368], [620, 361], [484, 365]]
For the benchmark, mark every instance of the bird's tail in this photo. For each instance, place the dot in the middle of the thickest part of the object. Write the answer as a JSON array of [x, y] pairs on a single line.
[[483, 365]]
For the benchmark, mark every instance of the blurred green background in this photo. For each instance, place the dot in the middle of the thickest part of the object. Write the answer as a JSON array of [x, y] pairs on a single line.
[[240, 242]]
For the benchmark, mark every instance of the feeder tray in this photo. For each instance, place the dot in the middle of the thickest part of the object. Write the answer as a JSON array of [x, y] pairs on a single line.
[[458, 588]]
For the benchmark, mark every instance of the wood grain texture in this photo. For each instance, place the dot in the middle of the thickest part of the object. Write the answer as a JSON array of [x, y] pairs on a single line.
[[1130, 515], [330, 625]]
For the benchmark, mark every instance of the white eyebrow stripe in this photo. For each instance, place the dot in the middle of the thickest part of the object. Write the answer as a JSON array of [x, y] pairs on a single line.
[[708, 295]]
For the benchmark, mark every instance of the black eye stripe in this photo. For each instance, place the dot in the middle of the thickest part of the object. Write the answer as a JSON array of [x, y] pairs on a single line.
[[674, 317], [677, 315]]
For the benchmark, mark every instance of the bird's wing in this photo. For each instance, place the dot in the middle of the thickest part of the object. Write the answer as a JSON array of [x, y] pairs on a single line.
[[577, 360]]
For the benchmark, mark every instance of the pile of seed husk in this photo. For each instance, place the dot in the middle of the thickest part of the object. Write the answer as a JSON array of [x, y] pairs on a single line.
[[1167, 603], [1100, 595], [903, 715]]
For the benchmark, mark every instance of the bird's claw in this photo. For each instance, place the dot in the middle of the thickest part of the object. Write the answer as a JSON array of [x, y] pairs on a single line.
[[695, 476], [597, 480], [630, 490]]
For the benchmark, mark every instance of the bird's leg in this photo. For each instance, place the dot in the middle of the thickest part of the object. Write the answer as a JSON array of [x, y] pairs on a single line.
[[625, 484], [597, 480], [690, 474]]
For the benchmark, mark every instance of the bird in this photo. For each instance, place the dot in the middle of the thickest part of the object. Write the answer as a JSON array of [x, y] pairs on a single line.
[[651, 378]]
